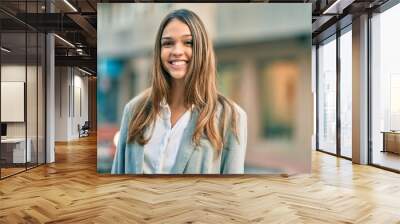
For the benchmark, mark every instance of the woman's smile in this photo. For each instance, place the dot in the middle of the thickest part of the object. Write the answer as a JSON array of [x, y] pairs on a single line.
[[178, 64]]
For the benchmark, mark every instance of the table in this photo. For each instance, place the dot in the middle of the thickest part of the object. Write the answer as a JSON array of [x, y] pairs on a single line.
[[15, 148], [391, 141]]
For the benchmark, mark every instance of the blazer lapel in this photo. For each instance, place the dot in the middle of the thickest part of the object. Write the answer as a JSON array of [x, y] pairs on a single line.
[[186, 147]]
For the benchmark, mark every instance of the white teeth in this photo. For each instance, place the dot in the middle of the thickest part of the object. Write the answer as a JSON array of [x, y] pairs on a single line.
[[178, 62]]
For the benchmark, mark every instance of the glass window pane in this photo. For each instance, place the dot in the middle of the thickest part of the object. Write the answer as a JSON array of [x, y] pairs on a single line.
[[386, 89], [327, 96], [346, 94]]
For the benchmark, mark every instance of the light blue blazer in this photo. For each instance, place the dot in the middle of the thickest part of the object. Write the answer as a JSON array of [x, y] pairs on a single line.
[[191, 159]]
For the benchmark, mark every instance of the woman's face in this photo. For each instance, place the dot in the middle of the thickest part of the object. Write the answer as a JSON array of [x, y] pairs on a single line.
[[176, 48]]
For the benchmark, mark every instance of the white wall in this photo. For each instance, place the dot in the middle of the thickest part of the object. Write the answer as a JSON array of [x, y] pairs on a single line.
[[71, 94], [61, 103], [80, 96], [33, 126], [16, 73]]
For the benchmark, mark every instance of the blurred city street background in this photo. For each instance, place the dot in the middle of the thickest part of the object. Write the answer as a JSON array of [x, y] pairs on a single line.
[[263, 54]]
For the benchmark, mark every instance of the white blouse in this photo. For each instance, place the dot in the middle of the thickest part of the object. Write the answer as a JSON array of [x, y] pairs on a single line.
[[161, 150]]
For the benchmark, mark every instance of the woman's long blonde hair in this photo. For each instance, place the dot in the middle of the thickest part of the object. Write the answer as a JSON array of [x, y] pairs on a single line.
[[200, 88]]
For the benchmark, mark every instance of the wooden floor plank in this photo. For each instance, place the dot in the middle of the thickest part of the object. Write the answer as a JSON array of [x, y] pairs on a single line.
[[70, 191]]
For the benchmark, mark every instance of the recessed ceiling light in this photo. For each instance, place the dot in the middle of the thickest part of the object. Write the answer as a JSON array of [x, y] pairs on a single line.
[[337, 7], [70, 5], [5, 49], [64, 40], [86, 72]]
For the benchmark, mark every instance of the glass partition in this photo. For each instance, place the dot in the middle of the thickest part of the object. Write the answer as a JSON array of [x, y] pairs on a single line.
[[22, 91], [41, 157], [346, 93], [327, 96], [385, 89], [13, 105], [31, 98]]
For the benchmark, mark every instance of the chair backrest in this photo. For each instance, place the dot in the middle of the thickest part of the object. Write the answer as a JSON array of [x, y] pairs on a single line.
[[86, 125]]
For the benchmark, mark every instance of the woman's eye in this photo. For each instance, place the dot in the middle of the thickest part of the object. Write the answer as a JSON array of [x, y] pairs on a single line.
[[189, 42], [167, 43]]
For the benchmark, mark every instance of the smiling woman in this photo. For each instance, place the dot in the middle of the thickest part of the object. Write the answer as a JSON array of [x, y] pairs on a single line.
[[182, 124]]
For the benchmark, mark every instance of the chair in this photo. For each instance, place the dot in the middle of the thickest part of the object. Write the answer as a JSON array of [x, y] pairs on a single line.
[[84, 130]]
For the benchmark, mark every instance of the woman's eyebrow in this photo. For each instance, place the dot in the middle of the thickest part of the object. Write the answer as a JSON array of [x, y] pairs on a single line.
[[166, 38], [170, 38]]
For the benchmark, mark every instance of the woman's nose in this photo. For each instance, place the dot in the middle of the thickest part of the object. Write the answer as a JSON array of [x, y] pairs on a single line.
[[177, 49]]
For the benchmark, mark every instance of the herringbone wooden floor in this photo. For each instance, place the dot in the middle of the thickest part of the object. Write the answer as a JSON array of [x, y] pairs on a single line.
[[70, 191]]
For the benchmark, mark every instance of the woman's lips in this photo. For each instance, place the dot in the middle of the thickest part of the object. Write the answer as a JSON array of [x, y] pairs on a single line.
[[178, 64]]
